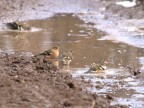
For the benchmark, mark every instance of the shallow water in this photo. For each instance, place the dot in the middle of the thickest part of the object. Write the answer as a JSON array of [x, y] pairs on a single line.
[[69, 32]]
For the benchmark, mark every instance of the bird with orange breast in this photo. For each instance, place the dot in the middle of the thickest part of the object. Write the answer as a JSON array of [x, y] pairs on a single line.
[[52, 53]]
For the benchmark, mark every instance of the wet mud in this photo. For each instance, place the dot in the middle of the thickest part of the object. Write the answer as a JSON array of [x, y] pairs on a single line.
[[85, 27], [35, 82]]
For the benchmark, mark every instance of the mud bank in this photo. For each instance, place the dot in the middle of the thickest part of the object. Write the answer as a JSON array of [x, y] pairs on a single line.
[[29, 82]]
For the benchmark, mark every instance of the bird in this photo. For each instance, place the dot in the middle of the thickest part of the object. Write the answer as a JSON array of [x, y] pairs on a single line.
[[67, 57], [52, 53], [96, 68], [17, 25]]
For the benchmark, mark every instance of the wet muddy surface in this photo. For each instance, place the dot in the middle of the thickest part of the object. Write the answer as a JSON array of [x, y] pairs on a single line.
[[69, 32], [94, 36]]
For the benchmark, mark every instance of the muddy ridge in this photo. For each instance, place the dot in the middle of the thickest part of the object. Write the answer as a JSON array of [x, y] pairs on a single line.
[[35, 82]]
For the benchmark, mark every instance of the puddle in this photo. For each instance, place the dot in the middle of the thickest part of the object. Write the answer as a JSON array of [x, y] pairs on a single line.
[[69, 32]]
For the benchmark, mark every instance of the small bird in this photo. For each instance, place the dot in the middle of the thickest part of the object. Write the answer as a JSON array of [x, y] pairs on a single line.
[[16, 25], [67, 57], [96, 68], [99, 67], [52, 53]]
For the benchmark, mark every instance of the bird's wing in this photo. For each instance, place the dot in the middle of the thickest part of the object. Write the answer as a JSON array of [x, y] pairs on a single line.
[[48, 53], [12, 25]]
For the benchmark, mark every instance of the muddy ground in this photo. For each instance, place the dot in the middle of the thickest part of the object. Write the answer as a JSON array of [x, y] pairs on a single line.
[[31, 82], [28, 82], [12, 10]]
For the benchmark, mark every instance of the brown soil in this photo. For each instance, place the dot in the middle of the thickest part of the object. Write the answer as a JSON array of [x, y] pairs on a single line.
[[28, 82]]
